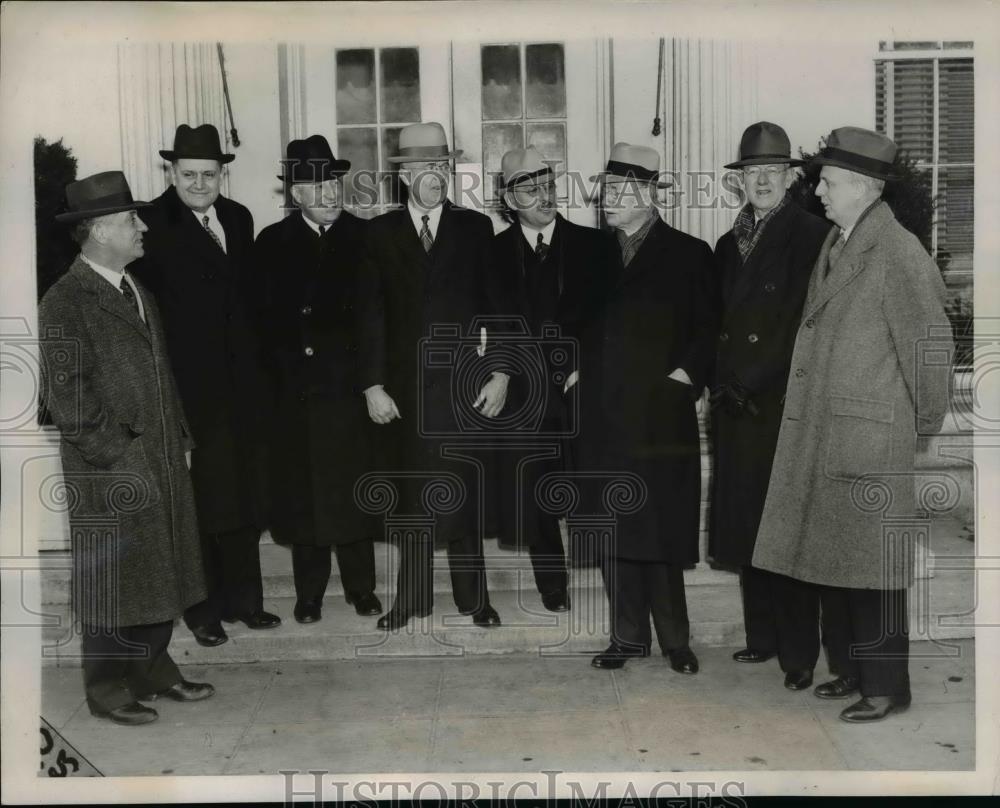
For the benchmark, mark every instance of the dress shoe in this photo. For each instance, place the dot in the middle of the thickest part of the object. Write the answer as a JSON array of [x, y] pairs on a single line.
[[486, 617], [615, 656], [798, 680], [873, 708], [209, 636], [183, 691], [683, 660], [395, 619], [557, 601], [366, 605], [308, 611], [130, 715], [752, 655], [839, 688], [257, 620]]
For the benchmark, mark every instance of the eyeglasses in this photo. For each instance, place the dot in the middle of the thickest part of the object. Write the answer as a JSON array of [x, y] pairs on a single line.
[[536, 191], [770, 172]]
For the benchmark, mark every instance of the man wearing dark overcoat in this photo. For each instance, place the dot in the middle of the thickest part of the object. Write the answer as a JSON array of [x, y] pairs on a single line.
[[644, 366], [196, 264], [871, 370], [763, 266], [549, 272], [123, 440], [304, 278], [424, 271]]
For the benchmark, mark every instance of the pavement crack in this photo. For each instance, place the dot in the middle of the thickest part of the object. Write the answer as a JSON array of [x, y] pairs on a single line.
[[435, 718], [250, 722]]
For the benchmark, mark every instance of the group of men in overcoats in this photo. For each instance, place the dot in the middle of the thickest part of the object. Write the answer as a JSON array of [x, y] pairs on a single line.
[[282, 371]]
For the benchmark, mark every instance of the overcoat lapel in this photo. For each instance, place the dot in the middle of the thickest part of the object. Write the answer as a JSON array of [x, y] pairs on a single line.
[[642, 260], [445, 242], [109, 298], [775, 237], [196, 238]]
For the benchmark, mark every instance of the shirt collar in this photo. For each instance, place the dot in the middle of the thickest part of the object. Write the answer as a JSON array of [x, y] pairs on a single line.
[[845, 232], [433, 220], [531, 233], [103, 270], [313, 226]]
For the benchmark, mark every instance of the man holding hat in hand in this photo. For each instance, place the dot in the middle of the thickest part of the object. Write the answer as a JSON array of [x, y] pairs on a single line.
[[642, 373], [123, 441], [870, 371], [304, 278], [196, 264], [763, 266]]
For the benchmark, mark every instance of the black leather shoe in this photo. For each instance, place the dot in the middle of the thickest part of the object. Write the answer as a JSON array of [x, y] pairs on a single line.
[[209, 636], [557, 601], [183, 691], [615, 656], [367, 605], [798, 680], [130, 715], [839, 688], [395, 619], [752, 655], [873, 708], [308, 611], [683, 660], [257, 620], [486, 617]]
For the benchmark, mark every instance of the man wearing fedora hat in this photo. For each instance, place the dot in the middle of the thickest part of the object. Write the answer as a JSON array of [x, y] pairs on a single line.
[[424, 268], [763, 266], [196, 264], [304, 276], [123, 440], [644, 366], [549, 272], [870, 371]]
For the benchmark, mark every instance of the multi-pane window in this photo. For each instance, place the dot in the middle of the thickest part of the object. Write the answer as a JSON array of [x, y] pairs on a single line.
[[924, 101], [523, 103], [373, 105]]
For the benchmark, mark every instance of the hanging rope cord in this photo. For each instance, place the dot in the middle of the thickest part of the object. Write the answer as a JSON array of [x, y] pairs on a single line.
[[659, 91], [233, 134]]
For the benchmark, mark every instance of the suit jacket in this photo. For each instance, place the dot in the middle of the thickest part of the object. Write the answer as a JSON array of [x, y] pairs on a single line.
[[658, 315], [135, 543], [761, 305], [871, 368], [213, 348]]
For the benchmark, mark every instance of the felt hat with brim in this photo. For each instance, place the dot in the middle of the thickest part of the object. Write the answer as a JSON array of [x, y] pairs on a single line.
[[201, 143], [311, 160], [421, 142], [764, 143], [520, 168], [98, 195], [860, 150], [628, 162]]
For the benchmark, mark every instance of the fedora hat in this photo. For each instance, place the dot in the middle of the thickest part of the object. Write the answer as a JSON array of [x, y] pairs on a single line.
[[526, 167], [423, 141], [98, 195], [201, 143], [311, 160], [859, 150], [764, 143], [628, 162]]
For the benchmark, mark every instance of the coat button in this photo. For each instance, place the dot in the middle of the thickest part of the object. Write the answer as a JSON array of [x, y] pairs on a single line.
[[752, 338], [724, 336], [308, 350], [810, 322], [768, 287], [800, 373], [307, 309]]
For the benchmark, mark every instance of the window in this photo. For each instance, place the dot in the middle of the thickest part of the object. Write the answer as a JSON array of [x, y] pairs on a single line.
[[372, 107], [523, 104], [924, 101]]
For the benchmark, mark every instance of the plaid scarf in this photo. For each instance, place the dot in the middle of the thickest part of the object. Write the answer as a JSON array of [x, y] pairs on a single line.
[[747, 231], [630, 244]]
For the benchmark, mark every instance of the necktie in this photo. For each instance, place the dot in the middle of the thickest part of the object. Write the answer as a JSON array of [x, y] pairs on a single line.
[[211, 232], [541, 248], [425, 233], [835, 252], [129, 296], [322, 230]]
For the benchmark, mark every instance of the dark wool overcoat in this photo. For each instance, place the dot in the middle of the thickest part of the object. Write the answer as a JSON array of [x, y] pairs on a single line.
[[761, 304], [109, 389]]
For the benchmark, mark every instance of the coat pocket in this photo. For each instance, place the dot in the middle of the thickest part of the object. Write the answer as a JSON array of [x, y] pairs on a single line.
[[132, 485], [859, 438]]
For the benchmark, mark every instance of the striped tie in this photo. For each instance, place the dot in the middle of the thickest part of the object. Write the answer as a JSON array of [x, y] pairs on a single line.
[[211, 232], [129, 296], [541, 248], [835, 252], [425, 234]]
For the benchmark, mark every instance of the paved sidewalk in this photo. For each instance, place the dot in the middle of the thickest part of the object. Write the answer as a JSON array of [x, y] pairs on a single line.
[[522, 713]]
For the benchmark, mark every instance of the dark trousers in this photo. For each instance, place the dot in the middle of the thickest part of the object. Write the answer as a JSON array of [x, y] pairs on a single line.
[[311, 566], [124, 663], [638, 589], [548, 558], [781, 615], [415, 579], [232, 575], [867, 636]]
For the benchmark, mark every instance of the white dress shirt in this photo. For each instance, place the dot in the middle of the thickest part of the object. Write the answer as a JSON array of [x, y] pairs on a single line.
[[214, 224], [114, 277], [531, 234], [315, 227], [434, 218]]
